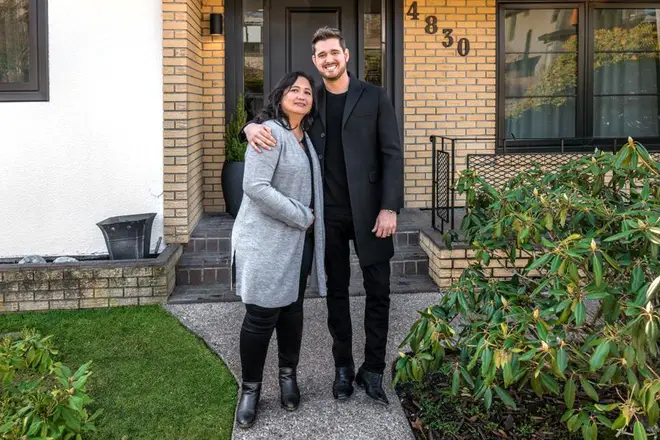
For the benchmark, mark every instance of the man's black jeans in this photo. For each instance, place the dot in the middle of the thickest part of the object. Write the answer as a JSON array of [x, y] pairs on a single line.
[[259, 323], [339, 231]]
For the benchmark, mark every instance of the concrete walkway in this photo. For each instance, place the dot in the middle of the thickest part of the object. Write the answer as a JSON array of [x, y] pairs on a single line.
[[319, 415]]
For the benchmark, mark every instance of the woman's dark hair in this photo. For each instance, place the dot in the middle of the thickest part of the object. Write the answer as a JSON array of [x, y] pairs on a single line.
[[274, 108]]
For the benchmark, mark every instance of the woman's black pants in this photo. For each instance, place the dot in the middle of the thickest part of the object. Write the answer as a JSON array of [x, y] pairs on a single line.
[[259, 323]]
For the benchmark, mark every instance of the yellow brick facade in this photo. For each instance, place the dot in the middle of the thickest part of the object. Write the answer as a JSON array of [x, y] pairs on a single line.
[[193, 86], [445, 93], [446, 266], [214, 109]]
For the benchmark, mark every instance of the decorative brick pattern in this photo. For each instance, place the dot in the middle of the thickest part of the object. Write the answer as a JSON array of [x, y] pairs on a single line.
[[445, 93], [88, 284]]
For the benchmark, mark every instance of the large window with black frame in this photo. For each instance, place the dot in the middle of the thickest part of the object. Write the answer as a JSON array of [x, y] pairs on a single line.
[[578, 70]]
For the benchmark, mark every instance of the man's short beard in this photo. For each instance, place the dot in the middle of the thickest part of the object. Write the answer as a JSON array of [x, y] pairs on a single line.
[[334, 78]]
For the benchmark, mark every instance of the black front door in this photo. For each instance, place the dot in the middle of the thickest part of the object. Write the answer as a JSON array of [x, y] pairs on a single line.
[[291, 26], [267, 38]]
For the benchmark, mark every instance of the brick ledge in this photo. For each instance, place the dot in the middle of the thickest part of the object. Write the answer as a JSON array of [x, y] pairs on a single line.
[[89, 284]]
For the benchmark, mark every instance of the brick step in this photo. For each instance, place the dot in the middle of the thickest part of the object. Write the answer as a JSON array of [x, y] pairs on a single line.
[[220, 241], [407, 261], [219, 225], [214, 226], [203, 268], [214, 267], [221, 293]]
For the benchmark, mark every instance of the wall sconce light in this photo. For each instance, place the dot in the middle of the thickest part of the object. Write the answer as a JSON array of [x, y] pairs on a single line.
[[216, 24]]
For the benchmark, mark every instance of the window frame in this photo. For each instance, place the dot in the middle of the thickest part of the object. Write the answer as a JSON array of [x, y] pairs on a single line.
[[37, 89], [585, 57]]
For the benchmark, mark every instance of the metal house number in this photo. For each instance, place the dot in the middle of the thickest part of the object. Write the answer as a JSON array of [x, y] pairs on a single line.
[[431, 28]]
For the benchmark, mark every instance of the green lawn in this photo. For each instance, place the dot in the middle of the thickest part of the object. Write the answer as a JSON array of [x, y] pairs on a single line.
[[153, 379]]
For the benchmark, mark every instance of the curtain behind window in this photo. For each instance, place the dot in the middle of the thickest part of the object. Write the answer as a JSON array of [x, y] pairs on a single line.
[[625, 72]]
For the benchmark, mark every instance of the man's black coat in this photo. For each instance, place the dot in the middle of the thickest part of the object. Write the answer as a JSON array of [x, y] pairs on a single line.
[[374, 162]]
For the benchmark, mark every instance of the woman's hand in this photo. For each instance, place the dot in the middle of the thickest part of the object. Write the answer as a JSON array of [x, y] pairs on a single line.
[[259, 136]]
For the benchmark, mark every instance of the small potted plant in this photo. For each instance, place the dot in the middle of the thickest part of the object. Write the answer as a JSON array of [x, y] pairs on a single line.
[[232, 170]]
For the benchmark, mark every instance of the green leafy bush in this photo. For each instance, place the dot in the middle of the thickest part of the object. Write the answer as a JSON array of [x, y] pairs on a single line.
[[579, 323], [234, 148], [41, 398]]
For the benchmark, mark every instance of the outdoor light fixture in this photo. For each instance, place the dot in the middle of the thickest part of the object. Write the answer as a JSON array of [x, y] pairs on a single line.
[[216, 24]]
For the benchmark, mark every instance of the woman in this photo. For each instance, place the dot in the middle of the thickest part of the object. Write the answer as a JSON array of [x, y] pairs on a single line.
[[277, 235]]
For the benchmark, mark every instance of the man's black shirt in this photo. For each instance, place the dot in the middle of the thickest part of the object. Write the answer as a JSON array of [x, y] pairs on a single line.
[[337, 201]]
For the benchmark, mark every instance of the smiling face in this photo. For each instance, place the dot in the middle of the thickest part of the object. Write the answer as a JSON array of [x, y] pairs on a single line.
[[330, 59], [298, 99]]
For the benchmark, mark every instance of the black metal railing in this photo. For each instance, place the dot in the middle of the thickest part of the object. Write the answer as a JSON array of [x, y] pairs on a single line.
[[443, 175], [507, 159]]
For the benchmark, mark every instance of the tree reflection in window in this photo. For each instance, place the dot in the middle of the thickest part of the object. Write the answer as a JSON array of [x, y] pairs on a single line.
[[253, 50], [541, 73], [626, 95], [373, 51], [14, 42]]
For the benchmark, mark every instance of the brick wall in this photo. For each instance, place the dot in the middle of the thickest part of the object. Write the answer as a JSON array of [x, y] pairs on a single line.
[[446, 266], [193, 81], [445, 93], [88, 284], [214, 109]]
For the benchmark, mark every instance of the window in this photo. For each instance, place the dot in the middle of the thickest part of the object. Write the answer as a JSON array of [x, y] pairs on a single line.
[[253, 50], [23, 50], [583, 69], [373, 42]]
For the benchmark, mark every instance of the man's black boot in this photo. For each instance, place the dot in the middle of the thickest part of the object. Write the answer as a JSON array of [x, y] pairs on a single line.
[[289, 392], [342, 387], [372, 384], [247, 406]]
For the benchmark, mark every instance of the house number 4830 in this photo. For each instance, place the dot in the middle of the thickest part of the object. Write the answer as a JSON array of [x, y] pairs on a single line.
[[432, 28]]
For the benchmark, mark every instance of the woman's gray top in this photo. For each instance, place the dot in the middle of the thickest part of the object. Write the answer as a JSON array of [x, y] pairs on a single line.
[[269, 231]]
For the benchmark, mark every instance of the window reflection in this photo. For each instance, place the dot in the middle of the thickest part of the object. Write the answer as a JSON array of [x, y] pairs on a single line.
[[540, 72], [14, 42], [373, 52], [626, 45], [253, 50]]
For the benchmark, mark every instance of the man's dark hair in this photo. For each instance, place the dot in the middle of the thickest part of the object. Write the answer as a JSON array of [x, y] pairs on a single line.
[[274, 108], [327, 33]]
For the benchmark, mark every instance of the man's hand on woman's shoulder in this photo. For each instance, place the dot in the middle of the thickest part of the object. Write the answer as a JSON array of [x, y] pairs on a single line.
[[259, 136]]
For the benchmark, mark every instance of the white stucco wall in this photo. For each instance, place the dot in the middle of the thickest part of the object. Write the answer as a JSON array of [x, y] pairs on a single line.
[[94, 150]]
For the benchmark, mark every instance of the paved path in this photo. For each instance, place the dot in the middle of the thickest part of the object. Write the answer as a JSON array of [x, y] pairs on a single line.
[[319, 415]]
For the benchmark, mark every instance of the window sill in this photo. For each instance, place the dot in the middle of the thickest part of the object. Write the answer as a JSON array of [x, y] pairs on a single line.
[[25, 96]]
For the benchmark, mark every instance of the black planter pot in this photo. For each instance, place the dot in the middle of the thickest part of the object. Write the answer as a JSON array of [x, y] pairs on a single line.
[[127, 237], [232, 185]]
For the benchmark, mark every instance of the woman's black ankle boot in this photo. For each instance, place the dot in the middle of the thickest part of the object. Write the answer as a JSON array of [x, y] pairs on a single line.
[[290, 394], [247, 406]]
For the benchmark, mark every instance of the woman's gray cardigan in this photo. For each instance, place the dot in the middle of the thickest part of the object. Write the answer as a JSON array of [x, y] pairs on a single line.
[[269, 231]]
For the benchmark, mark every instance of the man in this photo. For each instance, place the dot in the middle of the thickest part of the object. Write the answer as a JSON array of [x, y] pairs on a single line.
[[357, 140]]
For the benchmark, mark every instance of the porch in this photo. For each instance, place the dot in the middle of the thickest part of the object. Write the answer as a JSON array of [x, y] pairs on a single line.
[[203, 272]]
